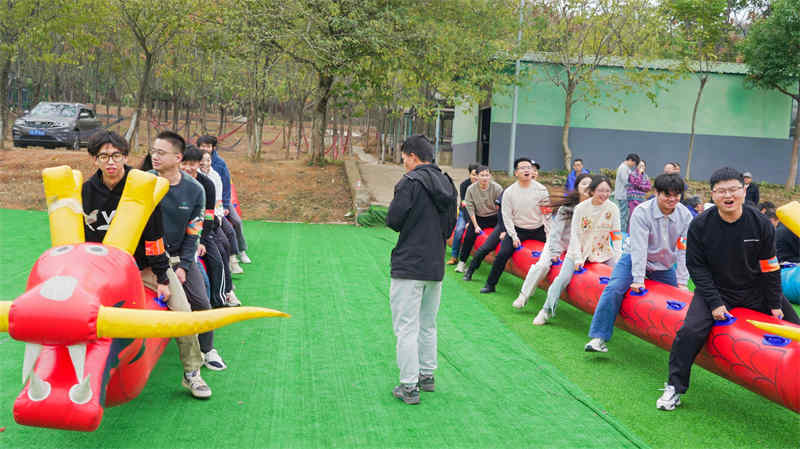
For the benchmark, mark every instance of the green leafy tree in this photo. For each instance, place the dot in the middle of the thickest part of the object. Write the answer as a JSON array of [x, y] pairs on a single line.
[[699, 29], [772, 53], [574, 38]]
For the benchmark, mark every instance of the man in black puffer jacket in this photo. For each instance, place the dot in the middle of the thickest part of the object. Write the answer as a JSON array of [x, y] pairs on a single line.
[[423, 211]]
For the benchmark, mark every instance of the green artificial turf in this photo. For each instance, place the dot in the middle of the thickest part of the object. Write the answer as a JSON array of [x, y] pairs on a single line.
[[322, 379]]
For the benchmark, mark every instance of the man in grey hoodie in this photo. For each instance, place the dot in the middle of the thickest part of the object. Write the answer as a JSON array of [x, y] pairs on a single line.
[[423, 211]]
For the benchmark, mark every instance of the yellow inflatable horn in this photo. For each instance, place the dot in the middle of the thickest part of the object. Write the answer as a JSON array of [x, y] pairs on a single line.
[[142, 193], [778, 329], [62, 190], [789, 215]]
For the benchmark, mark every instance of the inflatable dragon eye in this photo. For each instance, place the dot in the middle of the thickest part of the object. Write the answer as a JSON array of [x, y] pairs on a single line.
[[61, 250], [96, 250]]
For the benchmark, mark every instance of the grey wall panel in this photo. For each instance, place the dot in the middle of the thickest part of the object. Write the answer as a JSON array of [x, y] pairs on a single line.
[[464, 154], [768, 159]]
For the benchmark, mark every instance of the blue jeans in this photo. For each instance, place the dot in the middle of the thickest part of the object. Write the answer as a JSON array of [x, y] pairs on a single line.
[[624, 214], [461, 224], [611, 299]]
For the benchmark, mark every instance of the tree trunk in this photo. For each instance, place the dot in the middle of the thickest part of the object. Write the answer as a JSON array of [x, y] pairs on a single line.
[[143, 86], [4, 74], [203, 111], [188, 130], [795, 148], [221, 120], [321, 120], [565, 130], [703, 82], [349, 148], [300, 127], [175, 116]]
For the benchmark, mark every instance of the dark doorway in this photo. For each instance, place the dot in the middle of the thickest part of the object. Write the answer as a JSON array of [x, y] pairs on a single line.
[[483, 138]]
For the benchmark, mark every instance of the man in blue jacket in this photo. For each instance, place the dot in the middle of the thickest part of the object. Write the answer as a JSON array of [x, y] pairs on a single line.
[[577, 169], [422, 211]]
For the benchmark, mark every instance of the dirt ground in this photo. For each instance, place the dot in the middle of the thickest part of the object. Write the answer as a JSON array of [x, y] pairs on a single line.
[[274, 188]]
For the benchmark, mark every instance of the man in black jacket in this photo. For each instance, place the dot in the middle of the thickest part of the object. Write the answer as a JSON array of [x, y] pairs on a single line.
[[101, 195], [424, 200], [730, 254], [752, 195]]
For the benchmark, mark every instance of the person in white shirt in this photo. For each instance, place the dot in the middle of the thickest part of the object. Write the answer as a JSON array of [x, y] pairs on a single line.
[[595, 237], [522, 214]]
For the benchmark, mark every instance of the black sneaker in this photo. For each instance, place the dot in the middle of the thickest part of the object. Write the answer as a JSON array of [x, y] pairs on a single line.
[[468, 274], [426, 383], [487, 289], [408, 393]]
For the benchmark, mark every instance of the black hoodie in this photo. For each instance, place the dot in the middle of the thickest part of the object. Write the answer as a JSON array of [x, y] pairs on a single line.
[[424, 201], [100, 206]]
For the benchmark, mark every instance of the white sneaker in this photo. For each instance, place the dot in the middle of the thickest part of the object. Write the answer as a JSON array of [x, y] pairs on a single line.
[[596, 345], [233, 301], [213, 361], [520, 301], [460, 267], [196, 385], [235, 267], [669, 400], [243, 257], [542, 318]]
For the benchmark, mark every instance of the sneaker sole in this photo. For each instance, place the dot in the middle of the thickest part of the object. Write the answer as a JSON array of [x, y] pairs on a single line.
[[588, 348], [409, 402], [197, 395], [213, 368]]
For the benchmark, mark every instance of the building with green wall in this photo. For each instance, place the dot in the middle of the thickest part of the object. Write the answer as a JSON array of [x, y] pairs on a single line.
[[745, 128]]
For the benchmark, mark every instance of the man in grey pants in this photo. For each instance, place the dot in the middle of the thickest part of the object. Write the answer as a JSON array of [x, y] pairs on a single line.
[[423, 211]]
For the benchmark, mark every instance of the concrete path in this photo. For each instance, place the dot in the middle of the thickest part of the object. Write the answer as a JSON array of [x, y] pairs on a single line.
[[380, 178]]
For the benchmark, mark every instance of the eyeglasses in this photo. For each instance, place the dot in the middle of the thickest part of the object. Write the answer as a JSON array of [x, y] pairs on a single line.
[[725, 192], [159, 153], [524, 167], [104, 157]]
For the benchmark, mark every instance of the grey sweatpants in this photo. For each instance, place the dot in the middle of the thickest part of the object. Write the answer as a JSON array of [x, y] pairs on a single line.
[[414, 307]]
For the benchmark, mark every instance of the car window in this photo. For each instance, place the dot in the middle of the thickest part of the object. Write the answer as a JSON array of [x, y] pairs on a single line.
[[87, 113], [64, 110]]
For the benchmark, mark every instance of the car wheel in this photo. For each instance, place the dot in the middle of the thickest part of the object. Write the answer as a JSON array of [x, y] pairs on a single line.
[[20, 145], [76, 142]]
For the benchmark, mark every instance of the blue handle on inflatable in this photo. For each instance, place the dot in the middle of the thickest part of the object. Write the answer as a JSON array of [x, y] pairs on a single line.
[[675, 305], [729, 319], [787, 265], [775, 340], [581, 270], [557, 263], [535, 253], [641, 292], [160, 301], [519, 248], [480, 233], [604, 279]]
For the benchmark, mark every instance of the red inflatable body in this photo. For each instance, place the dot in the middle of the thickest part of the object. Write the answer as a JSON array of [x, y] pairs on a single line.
[[736, 350], [76, 374], [235, 200]]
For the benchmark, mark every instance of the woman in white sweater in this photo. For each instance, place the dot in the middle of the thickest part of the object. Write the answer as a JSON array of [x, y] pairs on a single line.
[[557, 239], [595, 237]]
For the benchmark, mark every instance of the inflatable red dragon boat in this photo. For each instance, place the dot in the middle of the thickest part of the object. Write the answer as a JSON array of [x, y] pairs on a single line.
[[92, 332], [763, 362]]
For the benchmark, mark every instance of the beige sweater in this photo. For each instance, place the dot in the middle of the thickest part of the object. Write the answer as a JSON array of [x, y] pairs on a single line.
[[593, 228]]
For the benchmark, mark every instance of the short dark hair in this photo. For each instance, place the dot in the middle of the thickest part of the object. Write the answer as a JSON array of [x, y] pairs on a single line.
[[104, 136], [692, 202], [596, 181], [771, 214], [670, 183], [473, 166], [192, 154], [766, 205], [522, 159], [420, 145], [577, 159], [633, 157], [726, 174], [677, 164], [482, 168], [174, 139], [207, 139]]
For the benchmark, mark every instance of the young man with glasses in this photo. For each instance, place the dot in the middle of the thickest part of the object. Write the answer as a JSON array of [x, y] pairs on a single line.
[[731, 257], [182, 212], [101, 195], [522, 216], [657, 244]]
